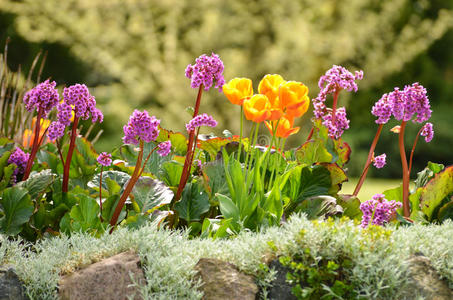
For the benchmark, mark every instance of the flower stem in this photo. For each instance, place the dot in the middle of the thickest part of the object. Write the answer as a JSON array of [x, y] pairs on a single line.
[[35, 146], [405, 170], [368, 161], [252, 150], [100, 195], [135, 176], [281, 142], [413, 149], [67, 164], [240, 133], [186, 168]]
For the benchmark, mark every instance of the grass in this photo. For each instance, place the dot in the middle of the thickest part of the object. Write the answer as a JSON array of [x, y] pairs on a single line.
[[370, 187]]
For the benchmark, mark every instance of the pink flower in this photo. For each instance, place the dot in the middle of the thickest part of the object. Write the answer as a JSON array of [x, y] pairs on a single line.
[[141, 126], [201, 120], [206, 71], [379, 161], [164, 148], [105, 159], [56, 130], [378, 210], [78, 98], [43, 97], [428, 132]]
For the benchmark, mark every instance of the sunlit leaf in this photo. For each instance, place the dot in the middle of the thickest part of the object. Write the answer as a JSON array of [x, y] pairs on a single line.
[[17, 209]]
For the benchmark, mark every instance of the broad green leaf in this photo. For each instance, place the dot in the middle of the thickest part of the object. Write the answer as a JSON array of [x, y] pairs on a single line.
[[7, 174], [117, 176], [171, 172], [435, 191], [108, 208], [17, 208], [4, 161], [194, 202], [136, 221], [214, 174], [214, 145], [343, 151], [446, 211], [414, 199], [151, 194], [85, 215], [37, 183], [314, 181], [130, 154], [313, 151], [315, 207], [177, 139], [86, 150], [350, 205], [337, 176], [6, 145], [426, 174]]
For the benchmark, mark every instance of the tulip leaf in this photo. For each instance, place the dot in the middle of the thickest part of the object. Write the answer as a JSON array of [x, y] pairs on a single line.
[[17, 209], [194, 202], [151, 194], [435, 191]]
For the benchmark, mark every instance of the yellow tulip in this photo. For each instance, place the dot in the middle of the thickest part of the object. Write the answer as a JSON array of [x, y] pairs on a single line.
[[257, 108], [293, 98], [237, 89], [284, 128], [269, 86]]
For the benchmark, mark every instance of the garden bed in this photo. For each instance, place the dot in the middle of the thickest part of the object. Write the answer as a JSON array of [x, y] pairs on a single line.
[[379, 255]]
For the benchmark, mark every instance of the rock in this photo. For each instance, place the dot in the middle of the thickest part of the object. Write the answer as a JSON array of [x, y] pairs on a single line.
[[280, 289], [222, 280], [10, 285], [425, 281], [106, 279]]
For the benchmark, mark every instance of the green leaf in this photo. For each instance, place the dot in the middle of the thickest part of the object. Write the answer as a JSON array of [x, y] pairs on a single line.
[[151, 194], [214, 174], [7, 173], [37, 183], [171, 172], [350, 205], [446, 212], [4, 162], [435, 191], [313, 151], [130, 154], [194, 202], [84, 216], [315, 207], [214, 145], [117, 176], [426, 174], [337, 176], [343, 150], [17, 208], [228, 208], [86, 150], [108, 208], [177, 139]]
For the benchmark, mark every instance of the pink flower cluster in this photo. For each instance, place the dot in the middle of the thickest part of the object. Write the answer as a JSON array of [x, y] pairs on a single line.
[[378, 210], [341, 123], [164, 148], [83, 102], [77, 99], [141, 126], [379, 161], [43, 97], [427, 132], [105, 159], [20, 159], [403, 105], [201, 120], [336, 79], [206, 71]]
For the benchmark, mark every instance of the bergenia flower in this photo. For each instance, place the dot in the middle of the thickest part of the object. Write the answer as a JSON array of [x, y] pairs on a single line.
[[427, 132], [206, 71], [83, 102], [164, 148], [43, 97], [378, 210], [379, 161], [20, 159], [382, 109], [337, 78], [341, 123], [55, 131], [105, 159], [141, 126], [412, 100], [201, 120]]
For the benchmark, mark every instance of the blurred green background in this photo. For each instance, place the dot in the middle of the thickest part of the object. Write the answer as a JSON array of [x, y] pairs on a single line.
[[132, 54]]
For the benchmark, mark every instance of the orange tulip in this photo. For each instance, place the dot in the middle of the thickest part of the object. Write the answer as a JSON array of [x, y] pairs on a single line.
[[237, 89], [257, 108], [29, 135], [293, 98], [284, 129], [269, 86]]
